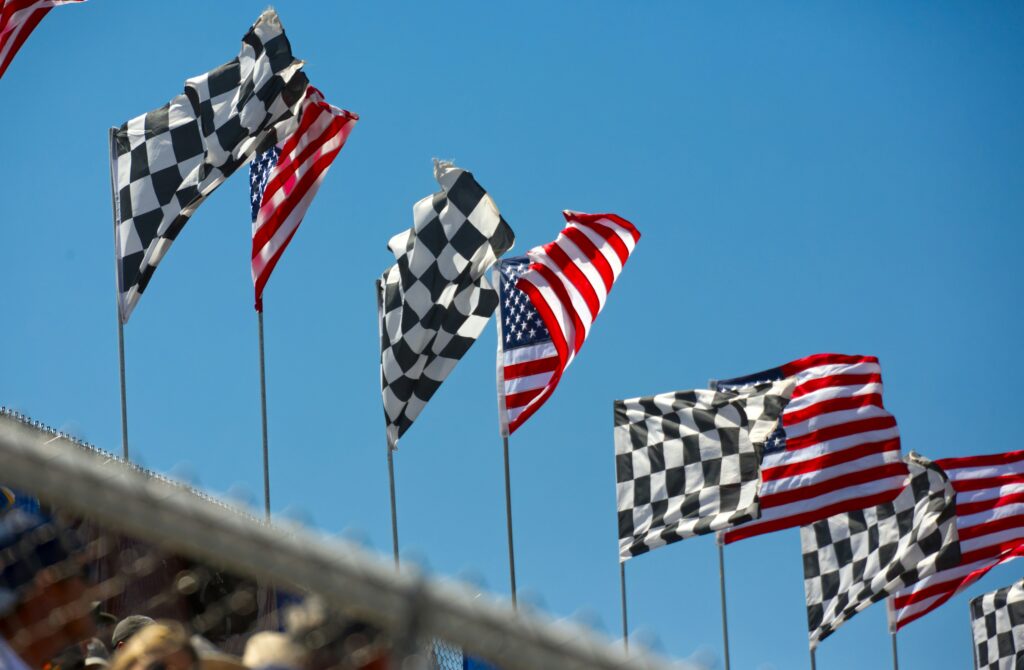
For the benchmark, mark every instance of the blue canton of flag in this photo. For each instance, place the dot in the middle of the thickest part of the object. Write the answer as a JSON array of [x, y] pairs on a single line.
[[259, 173], [776, 442], [521, 325]]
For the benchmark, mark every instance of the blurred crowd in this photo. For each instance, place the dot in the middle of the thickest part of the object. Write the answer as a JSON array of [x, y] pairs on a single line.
[[53, 617]]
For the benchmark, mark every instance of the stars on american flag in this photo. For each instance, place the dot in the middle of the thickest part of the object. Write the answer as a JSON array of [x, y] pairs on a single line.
[[259, 174], [522, 325]]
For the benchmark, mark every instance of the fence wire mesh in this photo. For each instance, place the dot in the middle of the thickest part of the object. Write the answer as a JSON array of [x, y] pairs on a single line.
[[104, 565]]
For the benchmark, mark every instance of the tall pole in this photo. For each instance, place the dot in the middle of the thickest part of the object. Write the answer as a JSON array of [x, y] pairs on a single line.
[[117, 291], [720, 541], [891, 616], [974, 645], [394, 508], [263, 412], [622, 588], [813, 666], [508, 524]]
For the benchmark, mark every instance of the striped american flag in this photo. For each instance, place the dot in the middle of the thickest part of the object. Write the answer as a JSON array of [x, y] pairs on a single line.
[[18, 18], [990, 522], [284, 179], [836, 450], [549, 301]]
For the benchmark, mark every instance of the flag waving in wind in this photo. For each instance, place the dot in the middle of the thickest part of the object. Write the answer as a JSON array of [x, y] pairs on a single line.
[[285, 178], [18, 18], [436, 299], [167, 161], [549, 301]]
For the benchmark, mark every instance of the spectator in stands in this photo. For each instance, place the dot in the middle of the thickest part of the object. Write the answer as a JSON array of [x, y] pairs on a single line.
[[163, 644], [126, 628], [44, 607]]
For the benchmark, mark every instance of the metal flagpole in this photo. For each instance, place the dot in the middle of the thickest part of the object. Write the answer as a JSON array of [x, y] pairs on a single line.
[[508, 524], [720, 541], [263, 410], [394, 508], [891, 616], [117, 293], [625, 621], [974, 645], [813, 666]]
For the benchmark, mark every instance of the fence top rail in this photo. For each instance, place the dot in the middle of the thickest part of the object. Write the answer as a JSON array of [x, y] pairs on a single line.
[[87, 482]]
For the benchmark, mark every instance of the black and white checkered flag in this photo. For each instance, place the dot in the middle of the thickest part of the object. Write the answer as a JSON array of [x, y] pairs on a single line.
[[688, 463], [997, 621], [165, 162], [854, 559], [436, 299]]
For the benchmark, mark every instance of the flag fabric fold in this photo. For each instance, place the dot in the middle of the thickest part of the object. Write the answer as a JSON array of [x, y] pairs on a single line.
[[167, 161], [990, 520], [837, 449], [285, 178], [556, 292], [687, 463], [997, 624], [18, 18], [857, 558], [435, 300]]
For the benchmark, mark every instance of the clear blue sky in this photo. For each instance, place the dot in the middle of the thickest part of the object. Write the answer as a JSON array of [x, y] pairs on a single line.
[[807, 177]]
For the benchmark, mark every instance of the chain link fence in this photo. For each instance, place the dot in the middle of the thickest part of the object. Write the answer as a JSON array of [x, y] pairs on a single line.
[[105, 565]]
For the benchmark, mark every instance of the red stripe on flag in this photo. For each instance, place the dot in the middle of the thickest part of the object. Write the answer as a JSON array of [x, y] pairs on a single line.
[[556, 286], [829, 459], [594, 255], [818, 383], [575, 277], [793, 417], [530, 368], [834, 484], [986, 461], [610, 238], [772, 525], [965, 484], [969, 508], [840, 430], [20, 34], [816, 360]]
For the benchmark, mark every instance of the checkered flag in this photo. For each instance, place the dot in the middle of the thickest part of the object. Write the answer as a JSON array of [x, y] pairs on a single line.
[[857, 558], [997, 621], [688, 463], [436, 299], [165, 162]]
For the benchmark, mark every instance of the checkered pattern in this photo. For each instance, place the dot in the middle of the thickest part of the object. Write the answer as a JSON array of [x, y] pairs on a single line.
[[688, 463], [997, 621], [167, 161], [435, 301], [857, 558]]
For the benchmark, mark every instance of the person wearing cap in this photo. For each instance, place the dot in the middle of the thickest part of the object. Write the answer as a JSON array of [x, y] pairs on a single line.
[[126, 628], [162, 645]]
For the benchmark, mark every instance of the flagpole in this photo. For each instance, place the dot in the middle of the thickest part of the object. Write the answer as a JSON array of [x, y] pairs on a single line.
[[891, 616], [974, 645], [622, 588], [508, 524], [720, 541], [394, 508], [263, 413], [117, 294], [813, 665]]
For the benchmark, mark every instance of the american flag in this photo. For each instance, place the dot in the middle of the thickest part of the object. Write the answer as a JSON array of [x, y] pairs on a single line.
[[549, 300], [285, 178], [837, 448], [990, 521], [18, 18]]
